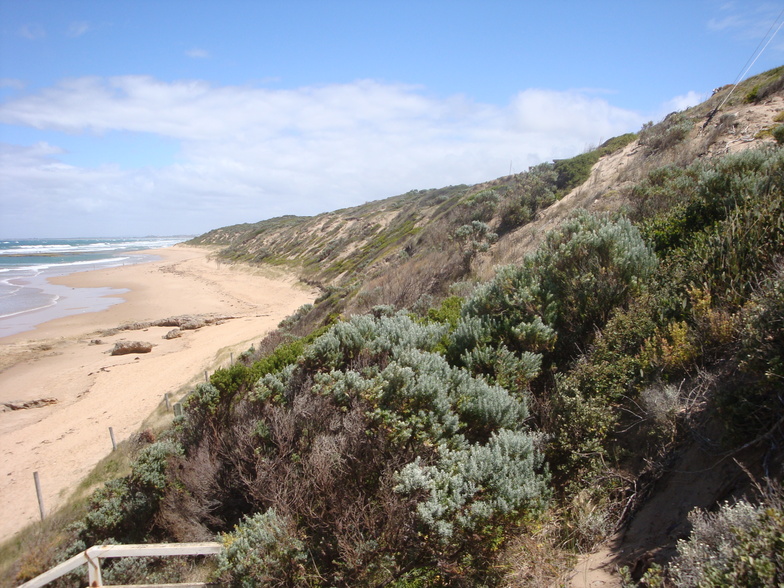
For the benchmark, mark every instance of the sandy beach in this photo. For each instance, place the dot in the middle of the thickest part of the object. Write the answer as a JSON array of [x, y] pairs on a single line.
[[67, 390]]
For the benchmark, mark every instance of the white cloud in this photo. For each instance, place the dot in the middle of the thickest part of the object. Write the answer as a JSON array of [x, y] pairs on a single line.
[[746, 21], [727, 22], [32, 32], [682, 102], [12, 83], [78, 28], [248, 153], [572, 112], [197, 53]]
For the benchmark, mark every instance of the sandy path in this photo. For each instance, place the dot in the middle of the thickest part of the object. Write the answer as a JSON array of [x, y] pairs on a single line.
[[95, 391]]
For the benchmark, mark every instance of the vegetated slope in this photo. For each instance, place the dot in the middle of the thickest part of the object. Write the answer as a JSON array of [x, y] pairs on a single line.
[[524, 208], [390, 240], [430, 422], [397, 250]]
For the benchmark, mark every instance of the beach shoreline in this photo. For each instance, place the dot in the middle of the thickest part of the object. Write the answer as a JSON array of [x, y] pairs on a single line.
[[68, 389], [29, 297]]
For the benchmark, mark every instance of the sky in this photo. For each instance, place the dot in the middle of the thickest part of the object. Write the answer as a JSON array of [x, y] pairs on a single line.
[[175, 117]]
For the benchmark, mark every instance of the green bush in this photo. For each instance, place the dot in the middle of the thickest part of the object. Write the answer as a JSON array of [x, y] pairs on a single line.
[[469, 488], [263, 550], [122, 508], [239, 378], [573, 172], [448, 312], [580, 430], [337, 439], [778, 134], [701, 196], [235, 378], [592, 398], [473, 239], [298, 315], [531, 192], [616, 365], [482, 204], [668, 133], [762, 336], [757, 406], [661, 190], [365, 336], [560, 295], [752, 95], [740, 545]]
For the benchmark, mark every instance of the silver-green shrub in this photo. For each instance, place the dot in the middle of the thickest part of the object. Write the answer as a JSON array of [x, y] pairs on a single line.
[[272, 386], [501, 365], [431, 399], [479, 484], [332, 439], [346, 341], [203, 399], [713, 542], [120, 508], [149, 468], [263, 550], [557, 298], [298, 315], [671, 131], [474, 238]]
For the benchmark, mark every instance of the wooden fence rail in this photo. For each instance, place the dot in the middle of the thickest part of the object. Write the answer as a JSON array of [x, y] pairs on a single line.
[[93, 556]]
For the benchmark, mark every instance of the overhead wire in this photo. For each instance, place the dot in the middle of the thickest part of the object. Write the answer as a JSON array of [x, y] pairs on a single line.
[[747, 66]]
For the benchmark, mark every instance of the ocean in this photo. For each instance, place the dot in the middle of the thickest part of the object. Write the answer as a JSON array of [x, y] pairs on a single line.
[[28, 299]]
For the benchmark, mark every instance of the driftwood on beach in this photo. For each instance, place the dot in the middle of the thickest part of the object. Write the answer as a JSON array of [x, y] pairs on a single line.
[[184, 322], [190, 321], [27, 404], [181, 323]]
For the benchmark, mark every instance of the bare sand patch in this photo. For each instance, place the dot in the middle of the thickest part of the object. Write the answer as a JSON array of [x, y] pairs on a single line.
[[75, 390]]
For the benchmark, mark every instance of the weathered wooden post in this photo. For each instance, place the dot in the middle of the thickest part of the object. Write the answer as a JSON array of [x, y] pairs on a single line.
[[166, 400], [111, 434], [177, 409], [94, 570], [39, 494]]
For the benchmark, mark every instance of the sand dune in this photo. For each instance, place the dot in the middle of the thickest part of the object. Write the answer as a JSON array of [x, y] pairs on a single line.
[[75, 390]]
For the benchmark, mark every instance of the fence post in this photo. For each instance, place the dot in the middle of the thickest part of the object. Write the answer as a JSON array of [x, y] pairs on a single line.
[[93, 568], [166, 400], [111, 434], [39, 494]]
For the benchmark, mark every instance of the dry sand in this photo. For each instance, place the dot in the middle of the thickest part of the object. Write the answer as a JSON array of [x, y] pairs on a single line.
[[95, 390]]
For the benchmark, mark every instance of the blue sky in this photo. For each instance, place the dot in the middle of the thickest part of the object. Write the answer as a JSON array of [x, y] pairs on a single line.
[[121, 118]]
